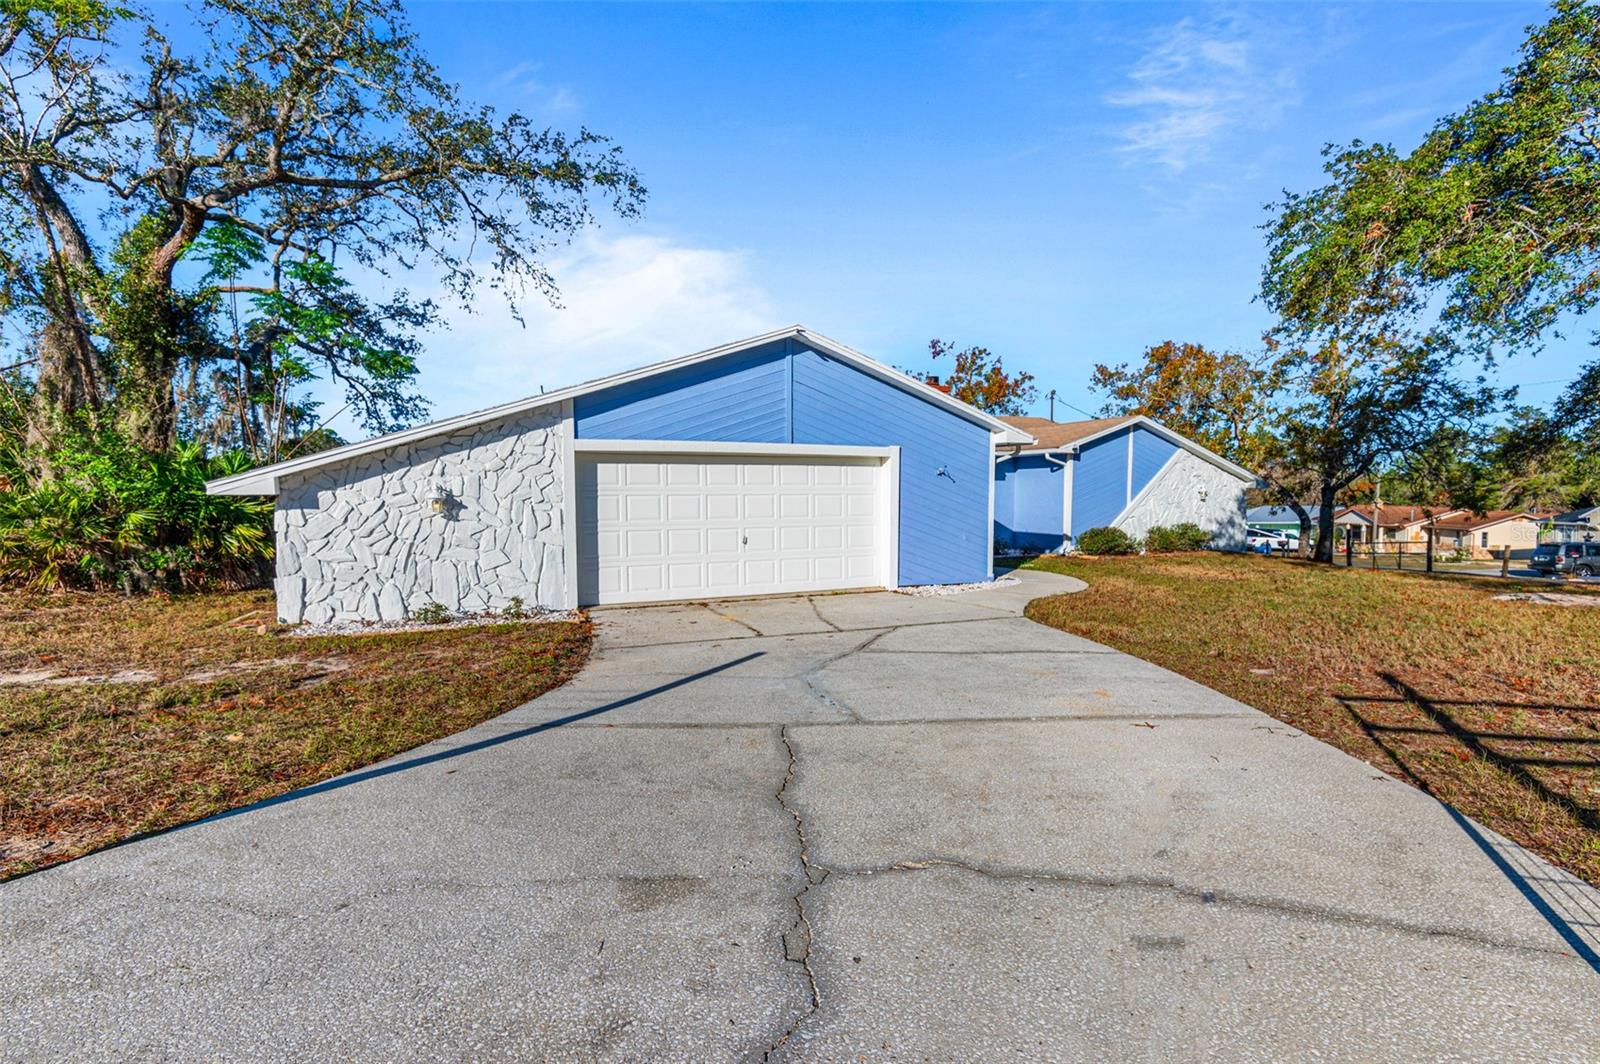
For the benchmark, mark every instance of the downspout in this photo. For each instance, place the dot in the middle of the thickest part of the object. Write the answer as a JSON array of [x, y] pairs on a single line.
[[1066, 495]]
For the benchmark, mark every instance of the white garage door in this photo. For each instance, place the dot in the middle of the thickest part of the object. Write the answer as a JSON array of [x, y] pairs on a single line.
[[657, 528]]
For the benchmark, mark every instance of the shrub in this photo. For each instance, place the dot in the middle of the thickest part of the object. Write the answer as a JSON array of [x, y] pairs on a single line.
[[1166, 539], [431, 613], [1106, 541], [110, 514]]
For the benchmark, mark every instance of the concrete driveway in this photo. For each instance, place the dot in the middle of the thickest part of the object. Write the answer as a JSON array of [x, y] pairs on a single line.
[[854, 827]]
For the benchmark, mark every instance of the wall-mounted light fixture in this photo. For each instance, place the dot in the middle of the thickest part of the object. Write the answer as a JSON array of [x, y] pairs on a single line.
[[439, 499]]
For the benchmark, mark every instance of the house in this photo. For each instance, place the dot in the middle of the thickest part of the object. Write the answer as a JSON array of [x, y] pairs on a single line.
[[782, 463], [1127, 472], [1401, 528], [1486, 535], [1279, 518], [1573, 525]]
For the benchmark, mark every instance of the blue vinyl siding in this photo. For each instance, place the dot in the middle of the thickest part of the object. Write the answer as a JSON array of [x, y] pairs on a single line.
[[944, 519], [1100, 483], [743, 398], [1150, 453], [1027, 502], [1027, 508], [787, 393]]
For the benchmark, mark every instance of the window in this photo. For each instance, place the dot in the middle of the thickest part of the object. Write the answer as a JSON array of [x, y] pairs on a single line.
[[1485, 541]]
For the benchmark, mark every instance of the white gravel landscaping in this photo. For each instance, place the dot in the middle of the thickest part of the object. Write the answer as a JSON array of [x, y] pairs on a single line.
[[939, 590], [465, 620]]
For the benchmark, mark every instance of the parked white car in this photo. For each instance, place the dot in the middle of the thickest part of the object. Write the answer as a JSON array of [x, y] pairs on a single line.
[[1272, 539]]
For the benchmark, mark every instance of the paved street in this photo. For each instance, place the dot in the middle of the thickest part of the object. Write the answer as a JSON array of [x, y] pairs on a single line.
[[839, 828]]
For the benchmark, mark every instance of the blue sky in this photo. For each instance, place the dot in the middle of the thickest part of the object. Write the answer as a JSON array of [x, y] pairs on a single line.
[[1065, 184]]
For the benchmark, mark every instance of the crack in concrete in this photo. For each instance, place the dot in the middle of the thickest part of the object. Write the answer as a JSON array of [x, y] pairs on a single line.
[[791, 635], [1205, 896], [809, 677], [797, 940], [1110, 718], [997, 653], [730, 617], [817, 612]]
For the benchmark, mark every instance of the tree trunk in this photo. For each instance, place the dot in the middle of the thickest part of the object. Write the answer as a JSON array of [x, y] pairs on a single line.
[[1325, 523], [147, 404], [68, 382], [71, 378], [147, 408]]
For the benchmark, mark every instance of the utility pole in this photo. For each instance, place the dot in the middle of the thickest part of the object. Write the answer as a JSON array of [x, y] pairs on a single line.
[[1052, 398], [1377, 509]]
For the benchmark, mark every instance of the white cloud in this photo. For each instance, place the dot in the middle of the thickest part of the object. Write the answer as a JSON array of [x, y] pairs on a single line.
[[625, 301], [523, 79], [1196, 83]]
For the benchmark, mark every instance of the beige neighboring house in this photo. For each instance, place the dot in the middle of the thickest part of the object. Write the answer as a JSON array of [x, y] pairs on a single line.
[[1402, 528], [1486, 535]]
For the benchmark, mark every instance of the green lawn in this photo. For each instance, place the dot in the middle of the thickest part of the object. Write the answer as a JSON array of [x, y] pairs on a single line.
[[1491, 706], [199, 704]]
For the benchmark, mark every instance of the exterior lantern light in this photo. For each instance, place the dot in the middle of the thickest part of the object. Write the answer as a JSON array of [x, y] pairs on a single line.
[[439, 498]]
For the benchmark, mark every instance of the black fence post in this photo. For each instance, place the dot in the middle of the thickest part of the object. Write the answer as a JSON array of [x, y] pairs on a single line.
[[1349, 552], [1430, 552]]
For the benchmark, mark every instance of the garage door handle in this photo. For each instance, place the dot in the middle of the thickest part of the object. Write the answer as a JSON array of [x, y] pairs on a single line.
[[744, 540]]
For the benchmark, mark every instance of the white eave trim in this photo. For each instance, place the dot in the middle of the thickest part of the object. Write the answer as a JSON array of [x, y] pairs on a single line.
[[264, 481], [736, 450], [1160, 430]]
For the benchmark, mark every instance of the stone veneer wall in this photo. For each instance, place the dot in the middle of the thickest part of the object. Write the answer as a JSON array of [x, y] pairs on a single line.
[[359, 540], [1189, 488]]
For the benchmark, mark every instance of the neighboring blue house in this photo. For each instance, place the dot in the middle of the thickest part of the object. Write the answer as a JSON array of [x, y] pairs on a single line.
[[1279, 518], [1127, 472], [779, 464]]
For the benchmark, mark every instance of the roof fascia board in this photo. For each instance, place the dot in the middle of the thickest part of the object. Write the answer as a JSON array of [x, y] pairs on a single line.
[[264, 481], [872, 367], [1160, 430]]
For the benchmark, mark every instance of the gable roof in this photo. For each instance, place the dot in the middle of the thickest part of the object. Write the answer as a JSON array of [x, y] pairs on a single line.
[[1070, 435], [1279, 513], [1466, 522], [1587, 515], [263, 480], [1393, 516]]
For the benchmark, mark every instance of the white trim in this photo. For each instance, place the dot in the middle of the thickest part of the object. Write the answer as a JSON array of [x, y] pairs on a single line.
[[1134, 502], [887, 460], [264, 481], [1127, 492], [569, 501], [890, 484], [992, 478], [778, 450], [1066, 465], [1160, 430]]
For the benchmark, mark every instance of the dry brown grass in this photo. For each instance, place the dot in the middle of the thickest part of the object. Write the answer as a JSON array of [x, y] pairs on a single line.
[[234, 710], [1491, 706]]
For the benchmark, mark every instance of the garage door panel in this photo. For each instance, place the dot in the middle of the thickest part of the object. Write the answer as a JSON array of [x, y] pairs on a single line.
[[653, 529], [683, 576], [642, 508], [685, 507]]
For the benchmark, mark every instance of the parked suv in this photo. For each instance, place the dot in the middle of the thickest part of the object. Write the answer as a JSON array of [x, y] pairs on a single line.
[[1583, 559]]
